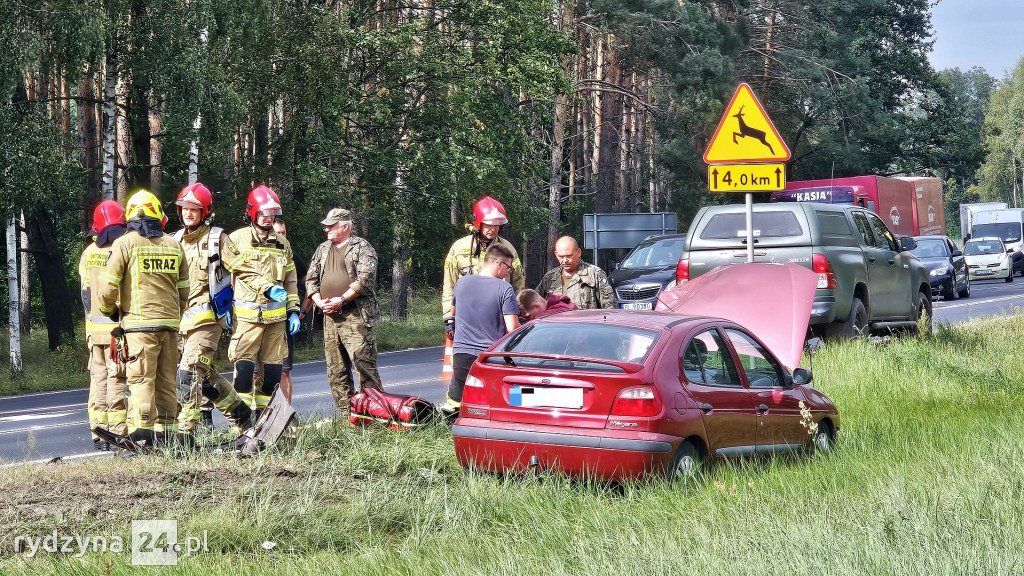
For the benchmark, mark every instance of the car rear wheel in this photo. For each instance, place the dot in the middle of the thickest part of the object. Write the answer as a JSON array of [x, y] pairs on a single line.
[[687, 463], [966, 292], [856, 326]]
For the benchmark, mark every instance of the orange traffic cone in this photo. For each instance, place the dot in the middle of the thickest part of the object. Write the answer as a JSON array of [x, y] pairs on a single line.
[[446, 370]]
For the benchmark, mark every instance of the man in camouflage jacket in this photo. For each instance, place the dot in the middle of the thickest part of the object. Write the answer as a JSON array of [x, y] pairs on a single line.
[[586, 285], [342, 282]]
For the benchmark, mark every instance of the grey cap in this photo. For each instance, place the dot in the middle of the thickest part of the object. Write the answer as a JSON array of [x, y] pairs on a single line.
[[337, 215]]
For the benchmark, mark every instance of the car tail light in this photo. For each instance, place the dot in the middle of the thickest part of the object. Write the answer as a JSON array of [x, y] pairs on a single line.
[[682, 271], [473, 392], [821, 267], [636, 401]]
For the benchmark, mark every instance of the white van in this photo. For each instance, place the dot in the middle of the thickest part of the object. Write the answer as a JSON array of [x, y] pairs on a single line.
[[1008, 226]]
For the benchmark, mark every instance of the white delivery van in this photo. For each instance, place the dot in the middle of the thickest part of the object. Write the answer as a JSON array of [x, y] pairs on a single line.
[[1008, 226]]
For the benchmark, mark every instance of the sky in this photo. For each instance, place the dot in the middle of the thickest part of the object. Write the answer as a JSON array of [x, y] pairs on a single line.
[[984, 33]]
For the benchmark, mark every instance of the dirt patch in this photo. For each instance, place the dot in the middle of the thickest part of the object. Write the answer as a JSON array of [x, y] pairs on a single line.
[[113, 491]]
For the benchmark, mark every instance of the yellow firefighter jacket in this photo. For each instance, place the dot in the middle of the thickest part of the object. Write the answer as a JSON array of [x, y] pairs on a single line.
[[465, 257], [90, 266], [148, 277], [257, 264], [195, 244]]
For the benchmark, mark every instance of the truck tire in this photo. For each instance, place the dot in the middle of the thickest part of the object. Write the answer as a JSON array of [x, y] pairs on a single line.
[[855, 326], [923, 310]]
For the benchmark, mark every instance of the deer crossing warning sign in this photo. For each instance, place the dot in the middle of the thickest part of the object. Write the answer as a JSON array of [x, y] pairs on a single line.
[[745, 133]]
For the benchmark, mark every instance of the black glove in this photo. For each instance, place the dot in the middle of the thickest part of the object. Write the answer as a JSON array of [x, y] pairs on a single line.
[[449, 327], [115, 315]]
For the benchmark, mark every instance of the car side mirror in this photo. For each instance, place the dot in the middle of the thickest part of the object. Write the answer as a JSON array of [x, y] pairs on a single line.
[[802, 376], [957, 253], [1009, 250], [907, 244], [617, 264]]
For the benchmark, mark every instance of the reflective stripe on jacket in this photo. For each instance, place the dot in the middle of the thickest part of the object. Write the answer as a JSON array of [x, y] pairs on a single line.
[[258, 263], [90, 266], [465, 257], [149, 278]]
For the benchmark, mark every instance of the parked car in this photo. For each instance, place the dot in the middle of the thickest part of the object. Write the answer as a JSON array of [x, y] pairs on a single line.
[[646, 271], [946, 266], [988, 258], [615, 394], [868, 280]]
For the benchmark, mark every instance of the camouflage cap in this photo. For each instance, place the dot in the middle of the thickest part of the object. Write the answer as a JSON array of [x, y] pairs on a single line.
[[337, 215]]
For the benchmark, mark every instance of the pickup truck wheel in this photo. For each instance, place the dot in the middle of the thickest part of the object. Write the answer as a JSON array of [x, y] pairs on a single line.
[[924, 312], [856, 326]]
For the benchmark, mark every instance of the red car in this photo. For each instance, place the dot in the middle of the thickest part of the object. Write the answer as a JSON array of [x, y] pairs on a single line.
[[616, 394]]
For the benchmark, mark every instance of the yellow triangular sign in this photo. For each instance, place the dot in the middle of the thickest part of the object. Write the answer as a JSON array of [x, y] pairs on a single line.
[[745, 133]]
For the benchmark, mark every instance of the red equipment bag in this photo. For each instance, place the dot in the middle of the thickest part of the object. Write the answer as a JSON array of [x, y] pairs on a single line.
[[395, 411]]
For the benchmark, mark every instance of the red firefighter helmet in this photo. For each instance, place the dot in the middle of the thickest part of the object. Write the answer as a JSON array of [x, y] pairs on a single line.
[[487, 210], [196, 196], [107, 213], [262, 201]]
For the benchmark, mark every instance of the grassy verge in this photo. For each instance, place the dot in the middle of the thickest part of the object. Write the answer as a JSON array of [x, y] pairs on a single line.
[[927, 478], [66, 368]]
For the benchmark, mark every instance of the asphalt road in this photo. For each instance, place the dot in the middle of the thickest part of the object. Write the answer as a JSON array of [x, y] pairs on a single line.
[[49, 424], [45, 425]]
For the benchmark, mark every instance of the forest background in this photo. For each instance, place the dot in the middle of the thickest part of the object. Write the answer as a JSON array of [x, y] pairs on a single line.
[[408, 111]]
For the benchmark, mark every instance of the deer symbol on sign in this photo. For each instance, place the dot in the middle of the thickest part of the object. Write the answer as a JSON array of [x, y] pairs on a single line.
[[746, 131]]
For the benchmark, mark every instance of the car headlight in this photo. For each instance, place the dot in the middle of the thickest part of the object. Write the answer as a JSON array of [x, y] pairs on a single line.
[[940, 271]]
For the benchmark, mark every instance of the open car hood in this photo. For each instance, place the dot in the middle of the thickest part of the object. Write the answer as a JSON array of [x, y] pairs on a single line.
[[773, 301]]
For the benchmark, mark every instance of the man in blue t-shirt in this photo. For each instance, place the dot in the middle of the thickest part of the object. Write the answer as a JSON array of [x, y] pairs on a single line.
[[485, 309]]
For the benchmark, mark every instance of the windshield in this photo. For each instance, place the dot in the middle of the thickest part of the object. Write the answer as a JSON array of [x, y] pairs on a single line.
[[930, 249], [979, 247], [655, 254], [1007, 231], [581, 340]]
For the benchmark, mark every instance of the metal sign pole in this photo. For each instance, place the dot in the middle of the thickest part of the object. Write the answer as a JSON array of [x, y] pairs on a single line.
[[750, 227]]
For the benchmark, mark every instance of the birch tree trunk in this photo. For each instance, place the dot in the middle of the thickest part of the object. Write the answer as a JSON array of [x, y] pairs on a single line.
[[26, 297], [17, 369], [110, 89], [193, 149]]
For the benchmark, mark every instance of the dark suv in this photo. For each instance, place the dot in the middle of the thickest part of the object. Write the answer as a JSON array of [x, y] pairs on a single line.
[[646, 270]]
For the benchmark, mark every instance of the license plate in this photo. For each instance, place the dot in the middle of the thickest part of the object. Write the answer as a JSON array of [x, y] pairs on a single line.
[[637, 306], [544, 397], [983, 272]]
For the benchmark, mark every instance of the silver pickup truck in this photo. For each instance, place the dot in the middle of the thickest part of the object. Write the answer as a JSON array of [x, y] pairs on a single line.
[[867, 279]]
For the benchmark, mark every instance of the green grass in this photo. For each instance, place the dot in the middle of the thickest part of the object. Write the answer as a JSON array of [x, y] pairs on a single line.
[[927, 478], [67, 367]]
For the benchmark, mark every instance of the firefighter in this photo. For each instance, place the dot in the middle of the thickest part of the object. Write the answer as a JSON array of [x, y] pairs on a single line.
[[106, 377], [466, 256], [145, 287], [266, 298], [206, 316]]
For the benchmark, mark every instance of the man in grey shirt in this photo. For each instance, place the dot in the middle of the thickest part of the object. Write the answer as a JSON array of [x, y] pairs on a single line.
[[485, 309]]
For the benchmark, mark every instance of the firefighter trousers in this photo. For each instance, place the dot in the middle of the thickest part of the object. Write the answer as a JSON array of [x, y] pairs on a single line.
[[255, 343], [107, 384], [198, 382], [151, 367]]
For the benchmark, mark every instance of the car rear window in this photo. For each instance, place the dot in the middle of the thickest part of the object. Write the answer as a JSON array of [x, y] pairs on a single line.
[[655, 253], [731, 225], [580, 340]]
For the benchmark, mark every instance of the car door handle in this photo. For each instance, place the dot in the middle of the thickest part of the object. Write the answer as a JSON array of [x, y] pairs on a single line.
[[892, 262], [871, 259], [762, 408], [706, 407]]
